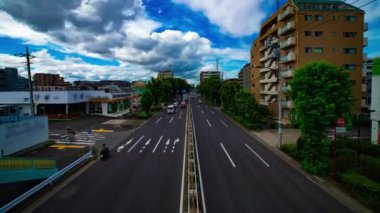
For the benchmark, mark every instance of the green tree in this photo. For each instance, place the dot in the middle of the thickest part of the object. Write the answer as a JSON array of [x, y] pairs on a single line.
[[146, 100], [228, 92], [322, 93], [245, 104], [210, 89]]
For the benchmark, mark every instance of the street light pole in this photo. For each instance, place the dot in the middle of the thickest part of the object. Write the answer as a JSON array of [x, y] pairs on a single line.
[[279, 106]]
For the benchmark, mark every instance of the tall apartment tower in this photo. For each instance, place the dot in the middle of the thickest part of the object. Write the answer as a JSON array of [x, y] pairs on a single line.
[[302, 31]]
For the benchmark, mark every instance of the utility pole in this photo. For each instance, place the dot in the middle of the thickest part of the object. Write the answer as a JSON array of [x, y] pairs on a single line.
[[28, 57], [217, 64]]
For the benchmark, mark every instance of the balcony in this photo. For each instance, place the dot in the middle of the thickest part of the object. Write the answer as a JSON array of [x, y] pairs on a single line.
[[287, 73], [270, 80], [264, 103], [365, 57], [264, 58], [269, 92], [365, 29], [287, 104], [365, 41], [287, 27], [263, 47], [288, 58], [287, 12], [285, 88], [288, 42]]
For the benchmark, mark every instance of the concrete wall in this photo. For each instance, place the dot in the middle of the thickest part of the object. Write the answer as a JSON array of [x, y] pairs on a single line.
[[20, 135]]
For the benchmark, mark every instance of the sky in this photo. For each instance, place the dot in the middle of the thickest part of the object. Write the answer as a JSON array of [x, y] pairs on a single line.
[[133, 39]]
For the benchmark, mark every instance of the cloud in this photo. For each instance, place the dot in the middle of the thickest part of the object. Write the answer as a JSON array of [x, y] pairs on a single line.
[[236, 18]]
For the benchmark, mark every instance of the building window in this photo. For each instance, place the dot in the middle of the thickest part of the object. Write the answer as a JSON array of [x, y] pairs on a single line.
[[351, 18], [333, 34], [349, 67], [350, 34], [318, 33], [308, 33], [308, 49], [318, 50], [349, 51], [318, 17], [333, 49], [308, 17], [253, 85]]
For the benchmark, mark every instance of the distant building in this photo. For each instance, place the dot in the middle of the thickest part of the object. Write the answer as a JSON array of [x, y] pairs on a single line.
[[207, 74], [165, 74], [86, 85], [138, 86], [47, 80], [232, 80], [366, 85], [375, 102], [11, 81], [245, 77]]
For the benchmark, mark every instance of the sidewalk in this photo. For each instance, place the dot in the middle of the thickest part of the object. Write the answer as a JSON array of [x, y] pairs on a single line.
[[289, 136]]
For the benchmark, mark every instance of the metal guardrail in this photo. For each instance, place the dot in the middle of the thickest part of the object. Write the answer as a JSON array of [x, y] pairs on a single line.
[[44, 183]]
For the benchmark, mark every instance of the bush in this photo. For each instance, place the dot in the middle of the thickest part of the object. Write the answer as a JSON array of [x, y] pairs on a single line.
[[363, 188], [365, 146], [143, 115], [244, 121], [291, 150], [156, 108], [370, 166], [346, 160]]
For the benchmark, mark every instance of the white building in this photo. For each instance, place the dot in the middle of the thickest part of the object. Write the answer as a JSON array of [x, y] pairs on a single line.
[[375, 103]]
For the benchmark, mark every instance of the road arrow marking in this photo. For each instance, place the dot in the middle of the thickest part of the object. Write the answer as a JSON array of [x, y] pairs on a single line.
[[202, 111], [147, 143], [136, 143], [167, 142], [158, 120], [129, 142], [176, 141], [157, 144], [120, 148]]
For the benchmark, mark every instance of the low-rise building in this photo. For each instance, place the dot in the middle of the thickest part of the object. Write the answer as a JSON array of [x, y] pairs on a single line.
[[207, 74], [366, 85], [245, 77]]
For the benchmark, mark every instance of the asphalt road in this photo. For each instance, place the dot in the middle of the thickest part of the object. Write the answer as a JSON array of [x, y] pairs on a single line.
[[241, 175], [144, 174]]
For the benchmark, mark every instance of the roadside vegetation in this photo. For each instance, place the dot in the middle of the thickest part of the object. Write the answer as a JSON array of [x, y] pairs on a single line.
[[322, 93], [236, 102]]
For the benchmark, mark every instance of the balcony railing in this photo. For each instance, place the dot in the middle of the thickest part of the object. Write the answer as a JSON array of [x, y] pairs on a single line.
[[287, 73], [288, 58], [269, 80], [288, 26], [288, 42], [287, 12], [365, 27], [287, 104], [365, 41], [285, 88]]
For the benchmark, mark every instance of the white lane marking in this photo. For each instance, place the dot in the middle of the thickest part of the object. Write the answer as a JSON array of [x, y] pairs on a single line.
[[167, 142], [174, 143], [136, 143], [120, 148], [202, 111], [257, 155], [233, 164], [171, 120], [212, 112], [208, 122], [146, 144], [157, 144], [158, 120], [224, 123], [128, 142]]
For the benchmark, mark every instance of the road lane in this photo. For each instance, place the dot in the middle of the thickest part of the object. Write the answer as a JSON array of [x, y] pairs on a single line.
[[260, 182], [131, 181]]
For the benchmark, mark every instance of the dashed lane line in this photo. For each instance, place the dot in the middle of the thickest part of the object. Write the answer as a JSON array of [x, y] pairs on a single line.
[[257, 155], [223, 123], [233, 164], [158, 120], [209, 123], [136, 143]]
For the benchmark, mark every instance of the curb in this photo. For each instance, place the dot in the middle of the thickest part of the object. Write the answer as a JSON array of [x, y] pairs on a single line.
[[333, 191]]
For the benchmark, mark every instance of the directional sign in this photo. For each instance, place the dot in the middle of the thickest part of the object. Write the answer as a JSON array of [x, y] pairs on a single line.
[[340, 129]]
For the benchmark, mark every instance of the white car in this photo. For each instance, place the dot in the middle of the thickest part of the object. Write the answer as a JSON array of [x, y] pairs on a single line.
[[170, 109]]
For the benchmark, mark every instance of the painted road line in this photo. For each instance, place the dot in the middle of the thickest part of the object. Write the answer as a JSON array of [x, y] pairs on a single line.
[[224, 123], [136, 143], [183, 165], [171, 120], [208, 122], [120, 148], [202, 111], [257, 155], [157, 144], [102, 130], [158, 120], [233, 164], [212, 112], [174, 143], [146, 144], [128, 142]]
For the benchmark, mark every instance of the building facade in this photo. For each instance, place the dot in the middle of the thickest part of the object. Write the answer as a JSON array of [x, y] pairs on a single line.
[[366, 85], [10, 81], [47, 80], [245, 77], [207, 74], [165, 74], [303, 31]]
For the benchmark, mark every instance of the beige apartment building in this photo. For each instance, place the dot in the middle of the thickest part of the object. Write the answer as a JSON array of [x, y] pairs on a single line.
[[302, 31], [165, 74]]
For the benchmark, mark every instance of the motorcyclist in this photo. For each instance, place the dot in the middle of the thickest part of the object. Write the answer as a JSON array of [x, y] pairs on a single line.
[[105, 152]]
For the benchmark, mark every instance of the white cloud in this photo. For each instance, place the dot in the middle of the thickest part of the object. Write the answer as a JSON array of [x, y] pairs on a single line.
[[237, 18]]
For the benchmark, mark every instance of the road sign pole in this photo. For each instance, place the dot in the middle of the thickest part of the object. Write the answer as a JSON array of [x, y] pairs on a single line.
[[334, 154]]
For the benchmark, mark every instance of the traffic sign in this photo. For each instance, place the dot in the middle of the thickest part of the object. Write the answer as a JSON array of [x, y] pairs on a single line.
[[340, 129], [341, 122]]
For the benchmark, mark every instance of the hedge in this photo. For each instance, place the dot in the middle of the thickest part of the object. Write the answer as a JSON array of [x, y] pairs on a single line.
[[346, 160], [371, 166], [291, 150], [365, 146]]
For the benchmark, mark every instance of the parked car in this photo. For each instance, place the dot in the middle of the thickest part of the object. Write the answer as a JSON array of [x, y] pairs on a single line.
[[183, 104], [170, 109], [175, 104]]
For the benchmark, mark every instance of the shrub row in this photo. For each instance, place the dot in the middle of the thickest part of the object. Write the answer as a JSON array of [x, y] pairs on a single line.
[[291, 150], [370, 166], [246, 122], [143, 115], [365, 146]]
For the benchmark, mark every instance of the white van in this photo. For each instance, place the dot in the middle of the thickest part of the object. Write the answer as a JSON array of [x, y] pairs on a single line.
[[170, 109]]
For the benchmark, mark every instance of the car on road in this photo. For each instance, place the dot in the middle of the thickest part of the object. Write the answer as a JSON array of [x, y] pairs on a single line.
[[183, 104], [170, 109], [199, 101]]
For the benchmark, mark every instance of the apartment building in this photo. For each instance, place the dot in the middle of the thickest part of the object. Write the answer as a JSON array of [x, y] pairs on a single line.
[[207, 74], [366, 85], [245, 77], [165, 74], [302, 31], [47, 81]]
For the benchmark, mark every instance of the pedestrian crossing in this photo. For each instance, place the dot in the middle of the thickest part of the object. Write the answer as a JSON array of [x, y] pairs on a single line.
[[80, 138], [142, 144]]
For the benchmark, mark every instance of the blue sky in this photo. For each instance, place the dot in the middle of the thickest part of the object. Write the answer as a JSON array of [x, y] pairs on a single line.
[[133, 39]]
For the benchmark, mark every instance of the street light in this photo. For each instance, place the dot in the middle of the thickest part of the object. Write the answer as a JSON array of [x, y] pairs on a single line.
[[278, 100]]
